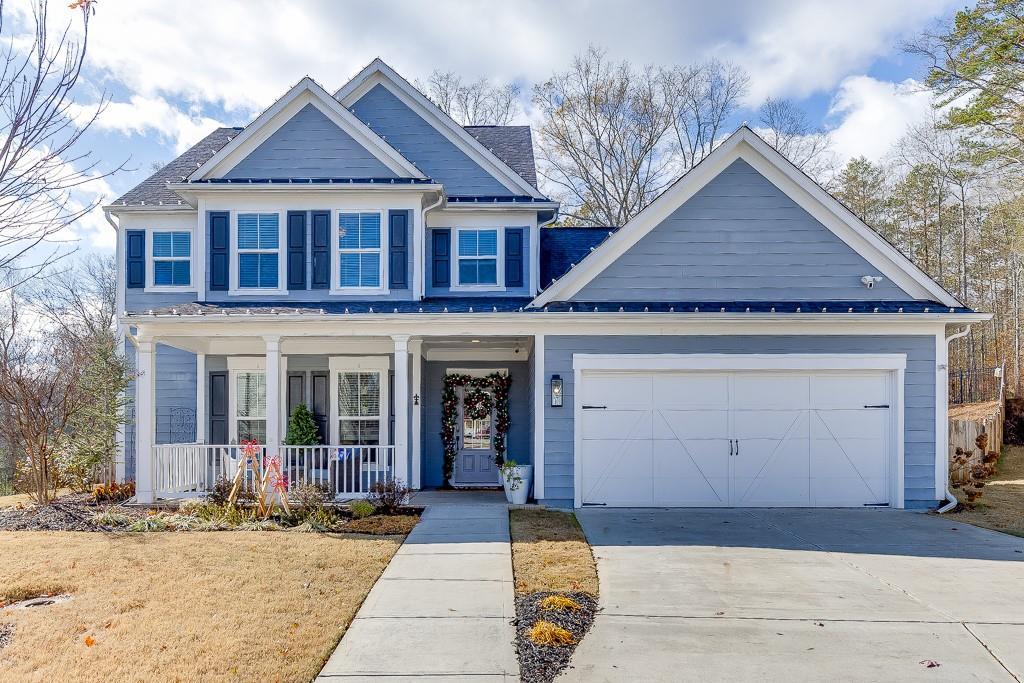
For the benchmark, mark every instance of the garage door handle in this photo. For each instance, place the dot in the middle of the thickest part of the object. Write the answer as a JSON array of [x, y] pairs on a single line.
[[884, 405], [595, 407], [730, 446]]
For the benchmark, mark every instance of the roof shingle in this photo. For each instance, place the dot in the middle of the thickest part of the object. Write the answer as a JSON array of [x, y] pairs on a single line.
[[511, 144]]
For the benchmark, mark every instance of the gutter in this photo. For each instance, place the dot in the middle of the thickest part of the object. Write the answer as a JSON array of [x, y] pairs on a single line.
[[953, 502]]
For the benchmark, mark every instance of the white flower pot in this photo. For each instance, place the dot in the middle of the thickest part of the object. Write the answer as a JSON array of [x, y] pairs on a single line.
[[519, 495]]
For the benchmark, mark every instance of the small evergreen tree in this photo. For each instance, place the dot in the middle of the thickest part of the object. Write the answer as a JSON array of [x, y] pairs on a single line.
[[302, 429]]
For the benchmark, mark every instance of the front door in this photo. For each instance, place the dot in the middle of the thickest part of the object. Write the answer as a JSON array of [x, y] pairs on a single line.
[[474, 463]]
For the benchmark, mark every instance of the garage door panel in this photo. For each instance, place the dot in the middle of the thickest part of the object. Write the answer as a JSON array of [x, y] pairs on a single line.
[[708, 391], [768, 424], [617, 470], [848, 390], [850, 457], [615, 424], [691, 472], [850, 423], [845, 492], [618, 389], [691, 424], [770, 389]]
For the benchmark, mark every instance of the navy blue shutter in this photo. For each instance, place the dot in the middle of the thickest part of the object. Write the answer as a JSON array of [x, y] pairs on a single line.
[[321, 250], [296, 234], [513, 257], [220, 257], [135, 259], [442, 257], [398, 245]]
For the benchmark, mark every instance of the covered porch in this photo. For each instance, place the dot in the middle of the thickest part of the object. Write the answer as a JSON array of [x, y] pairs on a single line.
[[376, 402]]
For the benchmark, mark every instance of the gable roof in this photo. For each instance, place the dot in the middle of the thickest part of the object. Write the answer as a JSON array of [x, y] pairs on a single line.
[[302, 93], [826, 209], [562, 249], [154, 191], [377, 72], [511, 144]]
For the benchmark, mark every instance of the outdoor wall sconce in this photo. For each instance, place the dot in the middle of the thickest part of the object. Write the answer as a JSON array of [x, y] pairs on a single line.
[[415, 399], [556, 391]]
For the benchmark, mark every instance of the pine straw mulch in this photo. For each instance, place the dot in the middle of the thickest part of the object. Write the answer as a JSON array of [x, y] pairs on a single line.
[[550, 556]]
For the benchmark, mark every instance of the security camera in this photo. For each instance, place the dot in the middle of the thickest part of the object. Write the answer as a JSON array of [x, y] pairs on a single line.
[[870, 281]]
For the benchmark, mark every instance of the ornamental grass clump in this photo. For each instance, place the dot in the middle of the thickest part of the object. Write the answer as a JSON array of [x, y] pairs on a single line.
[[559, 602], [361, 509], [546, 633]]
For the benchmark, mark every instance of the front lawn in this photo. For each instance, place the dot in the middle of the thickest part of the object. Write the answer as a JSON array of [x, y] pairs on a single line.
[[1001, 507], [181, 606]]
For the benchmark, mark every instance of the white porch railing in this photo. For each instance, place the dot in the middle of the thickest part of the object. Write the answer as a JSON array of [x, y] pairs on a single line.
[[187, 470]]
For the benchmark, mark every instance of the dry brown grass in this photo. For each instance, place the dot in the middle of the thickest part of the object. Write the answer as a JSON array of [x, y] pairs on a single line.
[[550, 552], [230, 606], [973, 411], [1001, 506], [12, 500]]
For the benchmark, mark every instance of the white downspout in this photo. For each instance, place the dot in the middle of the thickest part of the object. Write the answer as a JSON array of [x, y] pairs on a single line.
[[953, 502], [421, 265]]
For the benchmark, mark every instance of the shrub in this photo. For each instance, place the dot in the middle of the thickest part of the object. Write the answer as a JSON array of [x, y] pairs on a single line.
[[546, 633], [309, 497], [221, 490], [361, 508], [113, 492], [302, 429], [112, 518], [388, 496]]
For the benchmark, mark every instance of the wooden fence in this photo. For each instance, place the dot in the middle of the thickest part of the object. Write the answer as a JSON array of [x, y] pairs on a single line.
[[972, 425]]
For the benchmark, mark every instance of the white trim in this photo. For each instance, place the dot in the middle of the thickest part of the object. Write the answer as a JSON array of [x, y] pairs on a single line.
[[282, 258], [145, 418], [384, 251], [201, 403], [464, 354], [306, 91], [377, 72], [380, 364], [745, 144], [892, 363], [150, 286], [416, 349], [401, 355], [475, 372], [499, 266], [941, 415], [539, 408], [272, 377]]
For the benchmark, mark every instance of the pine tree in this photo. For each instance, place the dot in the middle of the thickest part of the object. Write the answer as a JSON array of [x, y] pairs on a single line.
[[302, 429]]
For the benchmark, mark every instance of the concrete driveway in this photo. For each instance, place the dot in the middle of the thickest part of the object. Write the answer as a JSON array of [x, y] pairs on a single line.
[[865, 595]]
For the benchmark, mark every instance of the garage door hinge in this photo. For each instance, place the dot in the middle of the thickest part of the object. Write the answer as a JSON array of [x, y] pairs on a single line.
[[875, 505], [595, 407], [883, 405], [592, 505]]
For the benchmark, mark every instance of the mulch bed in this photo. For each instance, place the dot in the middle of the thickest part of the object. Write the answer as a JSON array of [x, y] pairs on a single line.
[[6, 634], [542, 663], [68, 513]]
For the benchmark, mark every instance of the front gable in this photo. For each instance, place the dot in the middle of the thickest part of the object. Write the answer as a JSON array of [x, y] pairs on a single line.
[[739, 238], [745, 224], [310, 145]]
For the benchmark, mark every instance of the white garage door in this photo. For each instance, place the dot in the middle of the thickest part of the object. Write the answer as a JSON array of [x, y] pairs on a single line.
[[801, 438]]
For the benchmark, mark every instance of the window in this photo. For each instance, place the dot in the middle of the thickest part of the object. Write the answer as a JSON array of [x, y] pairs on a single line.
[[359, 245], [478, 257], [258, 257], [359, 408], [251, 406], [172, 259]]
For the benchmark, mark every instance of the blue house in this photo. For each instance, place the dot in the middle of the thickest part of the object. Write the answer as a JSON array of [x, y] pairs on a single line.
[[744, 341]]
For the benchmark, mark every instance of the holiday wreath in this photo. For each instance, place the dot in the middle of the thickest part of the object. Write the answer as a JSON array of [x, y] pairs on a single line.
[[480, 396]]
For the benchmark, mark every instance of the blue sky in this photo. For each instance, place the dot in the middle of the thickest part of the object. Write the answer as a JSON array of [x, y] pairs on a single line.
[[175, 70]]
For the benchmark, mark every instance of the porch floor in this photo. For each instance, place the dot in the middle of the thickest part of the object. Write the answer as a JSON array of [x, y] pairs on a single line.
[[456, 497]]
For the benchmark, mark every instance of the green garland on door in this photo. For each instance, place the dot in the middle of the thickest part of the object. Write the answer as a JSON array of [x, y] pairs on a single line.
[[477, 403]]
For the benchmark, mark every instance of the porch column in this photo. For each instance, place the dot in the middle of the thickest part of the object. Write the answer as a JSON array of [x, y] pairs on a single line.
[[273, 378], [416, 349], [401, 407], [145, 385], [201, 398]]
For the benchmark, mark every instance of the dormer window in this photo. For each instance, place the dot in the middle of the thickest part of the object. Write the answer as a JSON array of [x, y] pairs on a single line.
[[477, 257]]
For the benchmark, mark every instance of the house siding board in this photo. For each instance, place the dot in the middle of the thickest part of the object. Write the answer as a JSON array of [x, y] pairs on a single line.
[[519, 408], [422, 144], [738, 238], [310, 145], [175, 395], [433, 290], [919, 394]]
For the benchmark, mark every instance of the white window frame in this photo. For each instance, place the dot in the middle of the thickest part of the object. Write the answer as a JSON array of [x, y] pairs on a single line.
[[236, 366], [384, 250], [379, 364], [151, 285], [456, 285], [282, 276]]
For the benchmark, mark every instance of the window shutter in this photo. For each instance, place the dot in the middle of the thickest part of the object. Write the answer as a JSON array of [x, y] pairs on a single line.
[[296, 250], [220, 260], [398, 244], [513, 257], [135, 259], [321, 250], [441, 257]]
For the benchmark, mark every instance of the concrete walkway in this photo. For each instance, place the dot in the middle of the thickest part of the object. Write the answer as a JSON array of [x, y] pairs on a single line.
[[443, 608]]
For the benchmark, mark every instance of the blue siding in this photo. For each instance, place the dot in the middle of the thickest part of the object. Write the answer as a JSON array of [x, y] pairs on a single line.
[[919, 398], [738, 238], [431, 290], [519, 440], [424, 145], [310, 145]]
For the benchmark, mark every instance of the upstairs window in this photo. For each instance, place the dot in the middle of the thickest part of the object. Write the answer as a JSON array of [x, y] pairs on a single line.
[[258, 250], [478, 257], [172, 258], [359, 248]]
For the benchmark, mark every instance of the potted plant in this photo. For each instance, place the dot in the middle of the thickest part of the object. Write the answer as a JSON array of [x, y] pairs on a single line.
[[516, 479]]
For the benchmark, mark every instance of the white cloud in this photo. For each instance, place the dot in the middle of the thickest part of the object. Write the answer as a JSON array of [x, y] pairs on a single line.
[[151, 115], [874, 114]]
